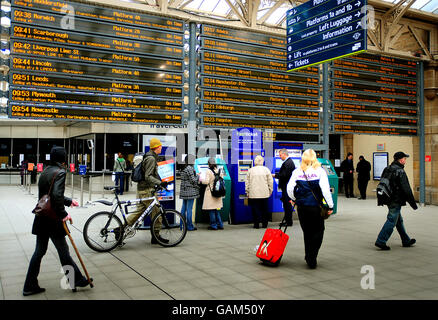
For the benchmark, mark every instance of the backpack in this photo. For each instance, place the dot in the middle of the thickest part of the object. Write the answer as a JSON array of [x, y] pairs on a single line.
[[138, 172], [384, 189], [218, 185]]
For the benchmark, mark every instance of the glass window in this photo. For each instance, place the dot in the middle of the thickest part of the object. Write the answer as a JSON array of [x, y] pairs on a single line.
[[24, 149], [5, 152]]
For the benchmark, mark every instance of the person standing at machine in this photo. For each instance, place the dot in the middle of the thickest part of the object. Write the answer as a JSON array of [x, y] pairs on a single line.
[[283, 177], [363, 169], [347, 167], [189, 190], [309, 185], [212, 204], [119, 170], [258, 186]]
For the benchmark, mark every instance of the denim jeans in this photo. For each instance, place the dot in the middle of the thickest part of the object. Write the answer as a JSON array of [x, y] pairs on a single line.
[[187, 207], [394, 219], [119, 181], [215, 219], [42, 243]]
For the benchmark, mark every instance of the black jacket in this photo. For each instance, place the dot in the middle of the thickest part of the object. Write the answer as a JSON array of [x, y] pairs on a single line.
[[284, 174], [363, 169], [346, 167], [46, 226], [401, 190]]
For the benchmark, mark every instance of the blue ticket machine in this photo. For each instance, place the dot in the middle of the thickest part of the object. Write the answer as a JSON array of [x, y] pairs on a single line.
[[166, 170], [294, 150], [246, 144]]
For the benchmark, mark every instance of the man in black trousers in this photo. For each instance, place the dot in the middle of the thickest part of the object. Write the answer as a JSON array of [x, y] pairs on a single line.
[[283, 177], [347, 168], [363, 169]]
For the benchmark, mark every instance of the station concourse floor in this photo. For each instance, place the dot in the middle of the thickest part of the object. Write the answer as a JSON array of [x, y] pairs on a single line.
[[212, 265]]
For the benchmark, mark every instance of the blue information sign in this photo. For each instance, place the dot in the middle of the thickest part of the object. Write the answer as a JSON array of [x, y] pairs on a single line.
[[323, 30], [82, 170]]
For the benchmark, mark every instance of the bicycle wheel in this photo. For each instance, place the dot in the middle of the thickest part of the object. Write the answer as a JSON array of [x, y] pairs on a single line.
[[99, 232], [169, 228]]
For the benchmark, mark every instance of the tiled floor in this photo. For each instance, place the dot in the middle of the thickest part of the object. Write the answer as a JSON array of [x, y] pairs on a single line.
[[222, 264]]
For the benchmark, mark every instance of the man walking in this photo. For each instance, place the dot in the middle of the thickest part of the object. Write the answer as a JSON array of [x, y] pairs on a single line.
[[283, 177], [347, 168], [401, 193], [119, 170], [363, 169]]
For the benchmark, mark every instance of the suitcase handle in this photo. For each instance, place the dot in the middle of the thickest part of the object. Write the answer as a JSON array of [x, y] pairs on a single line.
[[283, 222]]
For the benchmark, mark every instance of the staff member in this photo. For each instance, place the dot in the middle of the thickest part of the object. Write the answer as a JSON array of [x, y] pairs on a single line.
[[363, 169], [283, 177], [347, 168], [308, 186]]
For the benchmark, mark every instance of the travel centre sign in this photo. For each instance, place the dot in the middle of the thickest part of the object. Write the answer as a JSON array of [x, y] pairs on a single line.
[[322, 30]]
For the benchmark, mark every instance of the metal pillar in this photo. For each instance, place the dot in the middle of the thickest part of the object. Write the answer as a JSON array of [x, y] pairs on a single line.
[[191, 124], [325, 109], [420, 91]]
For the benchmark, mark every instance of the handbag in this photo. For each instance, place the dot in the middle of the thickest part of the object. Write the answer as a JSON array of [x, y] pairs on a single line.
[[44, 206], [324, 209]]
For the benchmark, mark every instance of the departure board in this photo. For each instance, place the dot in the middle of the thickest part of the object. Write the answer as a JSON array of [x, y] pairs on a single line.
[[374, 94], [244, 82], [108, 65]]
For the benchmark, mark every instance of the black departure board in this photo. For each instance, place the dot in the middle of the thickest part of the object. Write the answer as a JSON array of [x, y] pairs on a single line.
[[110, 65], [244, 82], [374, 94]]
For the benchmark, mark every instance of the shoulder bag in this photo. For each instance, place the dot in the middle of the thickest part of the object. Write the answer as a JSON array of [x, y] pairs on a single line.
[[324, 208], [44, 205]]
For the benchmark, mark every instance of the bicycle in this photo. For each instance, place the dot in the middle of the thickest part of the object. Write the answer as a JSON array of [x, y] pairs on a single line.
[[104, 230]]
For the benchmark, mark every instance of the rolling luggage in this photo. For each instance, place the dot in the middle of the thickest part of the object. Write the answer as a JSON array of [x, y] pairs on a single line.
[[272, 246]]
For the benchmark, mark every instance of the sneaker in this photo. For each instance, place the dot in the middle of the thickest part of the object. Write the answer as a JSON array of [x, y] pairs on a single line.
[[33, 291], [410, 243], [382, 246], [211, 228], [220, 228]]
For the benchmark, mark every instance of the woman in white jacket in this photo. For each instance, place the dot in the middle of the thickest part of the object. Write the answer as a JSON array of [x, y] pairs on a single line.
[[258, 186], [308, 188]]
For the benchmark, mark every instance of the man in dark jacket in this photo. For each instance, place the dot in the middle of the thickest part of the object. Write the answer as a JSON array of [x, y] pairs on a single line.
[[401, 193], [347, 167], [46, 228], [283, 177], [363, 169]]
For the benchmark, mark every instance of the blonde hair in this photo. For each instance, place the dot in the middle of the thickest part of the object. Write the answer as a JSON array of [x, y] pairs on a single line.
[[308, 159], [258, 161]]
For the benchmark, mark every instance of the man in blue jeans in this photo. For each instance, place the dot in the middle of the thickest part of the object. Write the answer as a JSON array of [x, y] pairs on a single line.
[[401, 193]]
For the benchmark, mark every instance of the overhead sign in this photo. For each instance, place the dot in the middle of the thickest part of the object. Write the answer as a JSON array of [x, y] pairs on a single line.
[[323, 30]]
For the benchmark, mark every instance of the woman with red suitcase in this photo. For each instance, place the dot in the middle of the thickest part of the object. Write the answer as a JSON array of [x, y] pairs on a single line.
[[309, 188]]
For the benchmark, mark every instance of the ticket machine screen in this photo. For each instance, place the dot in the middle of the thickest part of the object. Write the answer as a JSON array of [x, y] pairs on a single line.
[[244, 166], [328, 169]]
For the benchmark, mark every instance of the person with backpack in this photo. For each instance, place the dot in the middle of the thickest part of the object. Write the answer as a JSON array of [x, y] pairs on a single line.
[[309, 188], [212, 204], [363, 169], [398, 189], [45, 228], [259, 185], [119, 170], [146, 185], [189, 190]]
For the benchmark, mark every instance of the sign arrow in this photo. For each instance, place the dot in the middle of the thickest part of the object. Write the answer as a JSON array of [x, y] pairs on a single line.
[[358, 25], [357, 14], [357, 4]]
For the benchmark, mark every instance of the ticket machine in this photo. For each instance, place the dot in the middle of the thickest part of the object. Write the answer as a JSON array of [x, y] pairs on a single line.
[[201, 165], [333, 181], [294, 151], [246, 144]]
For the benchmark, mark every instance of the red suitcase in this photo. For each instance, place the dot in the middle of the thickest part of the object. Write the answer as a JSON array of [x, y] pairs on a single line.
[[272, 246]]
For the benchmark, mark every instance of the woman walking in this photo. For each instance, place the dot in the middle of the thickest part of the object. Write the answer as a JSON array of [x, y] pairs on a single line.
[[258, 186], [189, 190], [308, 188], [212, 204], [46, 228]]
